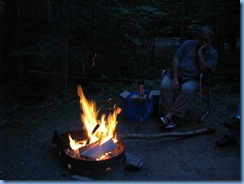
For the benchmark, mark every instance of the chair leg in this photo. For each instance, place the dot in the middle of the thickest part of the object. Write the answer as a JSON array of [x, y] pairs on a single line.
[[198, 106], [204, 116], [201, 119]]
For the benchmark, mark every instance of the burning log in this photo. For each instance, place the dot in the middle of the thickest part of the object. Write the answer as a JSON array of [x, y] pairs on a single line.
[[97, 151], [88, 146], [170, 134], [93, 131]]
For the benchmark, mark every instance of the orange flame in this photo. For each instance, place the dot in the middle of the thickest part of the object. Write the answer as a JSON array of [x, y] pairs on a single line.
[[75, 145], [105, 126]]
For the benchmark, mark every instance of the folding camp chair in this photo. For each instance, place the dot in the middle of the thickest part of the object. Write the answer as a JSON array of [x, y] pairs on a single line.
[[203, 97], [200, 99]]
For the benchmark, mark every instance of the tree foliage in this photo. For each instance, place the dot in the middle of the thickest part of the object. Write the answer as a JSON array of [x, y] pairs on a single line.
[[109, 38]]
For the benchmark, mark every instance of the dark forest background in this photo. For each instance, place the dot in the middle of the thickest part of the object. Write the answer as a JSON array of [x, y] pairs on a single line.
[[59, 43]]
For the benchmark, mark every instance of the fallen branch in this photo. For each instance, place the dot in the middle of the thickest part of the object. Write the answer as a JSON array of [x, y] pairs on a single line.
[[170, 134]]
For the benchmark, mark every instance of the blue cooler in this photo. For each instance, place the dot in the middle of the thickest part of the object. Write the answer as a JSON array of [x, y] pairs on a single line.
[[134, 106]]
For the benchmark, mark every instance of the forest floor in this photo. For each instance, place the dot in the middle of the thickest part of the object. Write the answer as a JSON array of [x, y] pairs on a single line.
[[28, 123]]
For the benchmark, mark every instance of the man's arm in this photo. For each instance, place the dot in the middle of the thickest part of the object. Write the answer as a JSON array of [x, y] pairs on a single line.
[[201, 63], [175, 81], [174, 67]]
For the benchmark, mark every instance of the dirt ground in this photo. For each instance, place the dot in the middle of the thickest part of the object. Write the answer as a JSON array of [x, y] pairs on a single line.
[[28, 123]]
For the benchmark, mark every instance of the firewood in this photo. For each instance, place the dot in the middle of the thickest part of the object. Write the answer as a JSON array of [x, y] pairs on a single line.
[[97, 150], [93, 131], [88, 146], [169, 134]]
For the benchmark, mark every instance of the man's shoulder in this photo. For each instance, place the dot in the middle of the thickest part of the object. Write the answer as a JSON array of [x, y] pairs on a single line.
[[190, 42]]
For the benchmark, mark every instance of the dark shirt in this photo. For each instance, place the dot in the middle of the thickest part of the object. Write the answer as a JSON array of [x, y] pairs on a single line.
[[187, 56]]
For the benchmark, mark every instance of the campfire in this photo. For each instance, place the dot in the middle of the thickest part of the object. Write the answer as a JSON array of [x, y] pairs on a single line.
[[100, 141], [95, 150], [95, 147]]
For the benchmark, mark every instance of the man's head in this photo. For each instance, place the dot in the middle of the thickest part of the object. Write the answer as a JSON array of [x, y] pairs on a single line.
[[205, 35], [207, 31]]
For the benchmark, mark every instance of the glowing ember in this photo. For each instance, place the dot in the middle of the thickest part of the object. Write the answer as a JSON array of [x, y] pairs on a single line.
[[98, 131]]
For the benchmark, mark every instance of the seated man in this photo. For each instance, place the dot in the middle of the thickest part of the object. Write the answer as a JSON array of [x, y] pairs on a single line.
[[181, 80], [234, 131]]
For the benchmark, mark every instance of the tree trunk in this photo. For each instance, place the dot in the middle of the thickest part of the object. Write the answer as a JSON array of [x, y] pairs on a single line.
[[49, 10], [91, 54], [16, 39], [67, 46], [182, 22]]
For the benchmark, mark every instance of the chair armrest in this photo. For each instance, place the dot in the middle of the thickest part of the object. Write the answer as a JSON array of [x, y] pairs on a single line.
[[163, 73]]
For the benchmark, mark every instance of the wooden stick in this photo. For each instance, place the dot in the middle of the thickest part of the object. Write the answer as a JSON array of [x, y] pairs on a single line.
[[170, 134]]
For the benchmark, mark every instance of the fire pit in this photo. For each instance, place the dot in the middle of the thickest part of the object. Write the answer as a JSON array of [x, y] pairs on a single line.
[[84, 165], [93, 151]]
